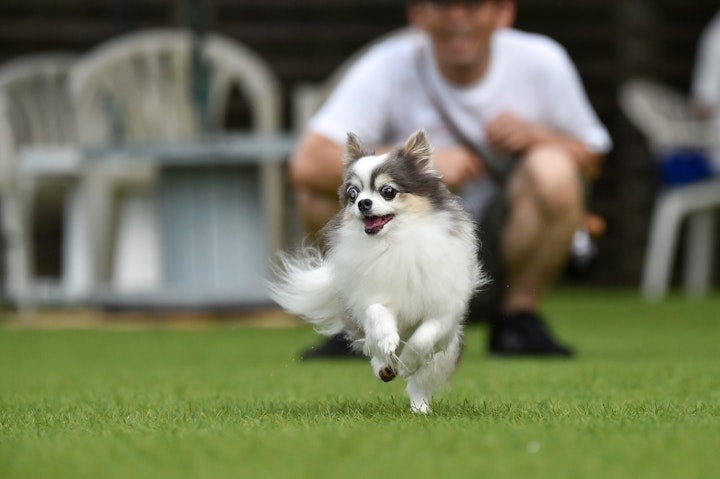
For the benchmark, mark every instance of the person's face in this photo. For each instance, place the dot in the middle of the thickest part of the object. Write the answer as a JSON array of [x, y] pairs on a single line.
[[461, 31]]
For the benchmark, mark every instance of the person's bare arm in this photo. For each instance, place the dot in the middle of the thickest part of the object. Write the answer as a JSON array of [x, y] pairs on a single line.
[[511, 134], [316, 174], [317, 164]]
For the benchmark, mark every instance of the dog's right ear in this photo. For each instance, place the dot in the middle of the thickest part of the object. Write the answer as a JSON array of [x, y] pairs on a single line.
[[353, 150]]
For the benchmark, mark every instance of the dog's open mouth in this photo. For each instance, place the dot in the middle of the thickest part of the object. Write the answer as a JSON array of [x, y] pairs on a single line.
[[373, 224]]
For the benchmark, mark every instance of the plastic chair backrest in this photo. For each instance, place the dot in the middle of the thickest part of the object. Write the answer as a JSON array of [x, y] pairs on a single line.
[[169, 84], [35, 107], [664, 116]]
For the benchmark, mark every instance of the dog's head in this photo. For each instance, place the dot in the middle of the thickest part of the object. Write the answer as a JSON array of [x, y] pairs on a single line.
[[377, 189]]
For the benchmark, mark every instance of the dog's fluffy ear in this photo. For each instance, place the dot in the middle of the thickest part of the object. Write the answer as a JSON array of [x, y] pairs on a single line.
[[353, 149], [417, 148]]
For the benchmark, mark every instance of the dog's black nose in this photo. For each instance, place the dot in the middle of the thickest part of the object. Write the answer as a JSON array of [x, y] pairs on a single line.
[[365, 205]]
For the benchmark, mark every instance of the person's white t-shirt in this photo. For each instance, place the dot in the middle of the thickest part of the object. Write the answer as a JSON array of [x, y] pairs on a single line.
[[382, 100], [705, 87]]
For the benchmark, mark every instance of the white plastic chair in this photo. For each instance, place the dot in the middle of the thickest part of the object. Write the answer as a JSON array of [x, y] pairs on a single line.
[[139, 87], [663, 115], [35, 110]]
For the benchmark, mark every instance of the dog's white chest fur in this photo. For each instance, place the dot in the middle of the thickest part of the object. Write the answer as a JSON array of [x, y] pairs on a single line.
[[421, 269]]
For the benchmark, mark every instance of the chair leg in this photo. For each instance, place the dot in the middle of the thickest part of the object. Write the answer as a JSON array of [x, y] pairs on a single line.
[[86, 213], [271, 178], [664, 231], [19, 253], [137, 257], [76, 262], [699, 252]]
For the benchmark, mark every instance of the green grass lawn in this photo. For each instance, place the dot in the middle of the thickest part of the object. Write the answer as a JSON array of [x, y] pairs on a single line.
[[641, 400]]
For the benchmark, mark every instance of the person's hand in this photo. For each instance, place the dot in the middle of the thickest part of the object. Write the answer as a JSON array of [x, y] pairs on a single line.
[[457, 165], [510, 134]]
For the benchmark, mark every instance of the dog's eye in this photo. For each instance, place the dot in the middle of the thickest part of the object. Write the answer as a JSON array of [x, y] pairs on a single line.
[[388, 192], [352, 193]]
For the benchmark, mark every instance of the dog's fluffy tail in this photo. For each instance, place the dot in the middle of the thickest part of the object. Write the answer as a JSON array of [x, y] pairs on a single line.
[[304, 286]]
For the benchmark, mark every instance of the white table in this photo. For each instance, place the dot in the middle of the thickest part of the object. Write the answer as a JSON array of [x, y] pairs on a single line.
[[199, 235]]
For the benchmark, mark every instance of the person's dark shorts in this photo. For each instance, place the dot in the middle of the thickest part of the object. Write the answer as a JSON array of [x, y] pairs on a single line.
[[486, 302]]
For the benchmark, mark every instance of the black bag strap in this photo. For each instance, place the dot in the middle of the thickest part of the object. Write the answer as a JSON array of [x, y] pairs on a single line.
[[499, 167]]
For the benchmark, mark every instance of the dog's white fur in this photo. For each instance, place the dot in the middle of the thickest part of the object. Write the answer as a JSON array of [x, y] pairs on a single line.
[[400, 293]]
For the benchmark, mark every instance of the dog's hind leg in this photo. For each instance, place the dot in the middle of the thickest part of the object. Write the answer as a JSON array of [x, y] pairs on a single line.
[[422, 384]]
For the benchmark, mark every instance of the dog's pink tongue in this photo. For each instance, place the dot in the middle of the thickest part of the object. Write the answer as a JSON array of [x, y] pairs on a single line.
[[373, 224]]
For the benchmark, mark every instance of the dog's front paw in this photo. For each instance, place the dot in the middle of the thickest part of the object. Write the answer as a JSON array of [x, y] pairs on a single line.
[[388, 344], [381, 335], [387, 374], [384, 370], [384, 344]]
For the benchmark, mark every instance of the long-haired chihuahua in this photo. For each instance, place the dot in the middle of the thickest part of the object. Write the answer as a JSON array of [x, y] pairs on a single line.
[[398, 271]]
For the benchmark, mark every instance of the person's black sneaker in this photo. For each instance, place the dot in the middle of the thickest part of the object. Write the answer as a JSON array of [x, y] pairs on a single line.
[[334, 347], [523, 334]]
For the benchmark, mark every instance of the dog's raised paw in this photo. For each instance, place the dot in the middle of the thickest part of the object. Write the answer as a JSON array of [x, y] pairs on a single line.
[[389, 343], [387, 374]]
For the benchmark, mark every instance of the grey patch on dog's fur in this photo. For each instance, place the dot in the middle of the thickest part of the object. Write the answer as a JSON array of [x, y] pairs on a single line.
[[411, 168]]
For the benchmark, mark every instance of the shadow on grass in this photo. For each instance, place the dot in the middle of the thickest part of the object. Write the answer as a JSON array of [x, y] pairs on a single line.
[[543, 412], [392, 408]]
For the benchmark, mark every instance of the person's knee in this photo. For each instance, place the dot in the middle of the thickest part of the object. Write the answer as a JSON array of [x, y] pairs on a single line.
[[552, 176]]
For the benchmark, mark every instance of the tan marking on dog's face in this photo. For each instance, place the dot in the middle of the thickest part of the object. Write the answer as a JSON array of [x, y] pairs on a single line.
[[414, 204]]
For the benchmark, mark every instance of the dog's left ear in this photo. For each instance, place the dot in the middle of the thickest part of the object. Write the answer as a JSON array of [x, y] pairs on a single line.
[[417, 148]]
